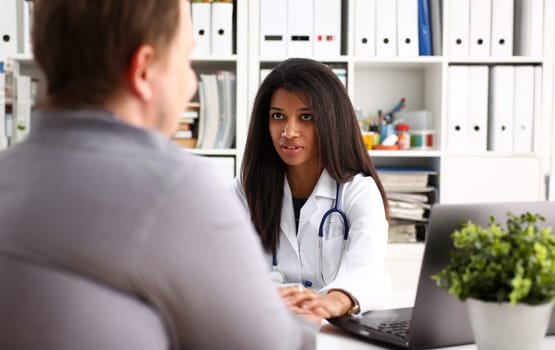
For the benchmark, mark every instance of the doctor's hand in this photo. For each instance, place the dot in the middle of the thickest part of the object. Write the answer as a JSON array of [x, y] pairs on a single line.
[[308, 304]]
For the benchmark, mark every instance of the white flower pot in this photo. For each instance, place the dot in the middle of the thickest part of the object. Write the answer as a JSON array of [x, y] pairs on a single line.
[[502, 326]]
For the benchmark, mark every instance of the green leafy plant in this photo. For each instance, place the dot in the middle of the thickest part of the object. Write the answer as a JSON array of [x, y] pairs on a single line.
[[516, 264]]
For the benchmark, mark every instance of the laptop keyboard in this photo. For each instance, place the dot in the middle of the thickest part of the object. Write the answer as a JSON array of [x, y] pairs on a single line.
[[398, 328]]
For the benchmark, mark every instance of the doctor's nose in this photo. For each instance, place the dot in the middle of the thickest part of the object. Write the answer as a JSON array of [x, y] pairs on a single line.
[[289, 131]]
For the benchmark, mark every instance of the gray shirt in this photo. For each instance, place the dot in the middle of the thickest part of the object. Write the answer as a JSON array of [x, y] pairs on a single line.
[[87, 197]]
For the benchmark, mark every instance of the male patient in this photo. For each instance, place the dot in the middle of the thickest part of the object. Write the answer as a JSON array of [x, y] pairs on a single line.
[[110, 236]]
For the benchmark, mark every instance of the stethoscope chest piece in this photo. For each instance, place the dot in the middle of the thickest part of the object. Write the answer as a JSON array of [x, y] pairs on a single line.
[[277, 276]]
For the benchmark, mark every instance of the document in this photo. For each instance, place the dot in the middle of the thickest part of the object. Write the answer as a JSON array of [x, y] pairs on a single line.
[[273, 28], [480, 28], [222, 28], [477, 109], [529, 27], [327, 28], [424, 28], [502, 28], [8, 29], [407, 29], [500, 123], [523, 108], [386, 28], [300, 27], [458, 28], [457, 102], [365, 28], [202, 27]]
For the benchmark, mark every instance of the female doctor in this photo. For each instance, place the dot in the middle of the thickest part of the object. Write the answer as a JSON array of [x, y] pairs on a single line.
[[313, 194]]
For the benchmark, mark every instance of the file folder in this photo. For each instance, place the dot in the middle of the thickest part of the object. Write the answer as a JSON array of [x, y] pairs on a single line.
[[500, 122], [502, 28], [22, 107], [3, 135], [273, 28], [437, 27], [424, 28], [365, 28], [202, 28], [300, 26], [407, 28], [458, 27], [477, 123], [457, 102], [8, 29], [480, 27], [222, 28], [523, 108], [386, 28], [538, 111], [327, 28], [528, 28]]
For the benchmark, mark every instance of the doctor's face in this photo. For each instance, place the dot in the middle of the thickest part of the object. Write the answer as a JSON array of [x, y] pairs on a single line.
[[293, 131]]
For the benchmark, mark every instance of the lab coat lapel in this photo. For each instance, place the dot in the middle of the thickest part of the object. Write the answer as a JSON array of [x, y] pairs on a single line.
[[287, 223], [320, 200]]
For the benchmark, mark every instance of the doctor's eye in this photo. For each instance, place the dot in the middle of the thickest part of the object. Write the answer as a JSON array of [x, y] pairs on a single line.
[[307, 117], [277, 116]]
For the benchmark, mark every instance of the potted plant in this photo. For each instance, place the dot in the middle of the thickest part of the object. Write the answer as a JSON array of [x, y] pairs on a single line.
[[507, 277]]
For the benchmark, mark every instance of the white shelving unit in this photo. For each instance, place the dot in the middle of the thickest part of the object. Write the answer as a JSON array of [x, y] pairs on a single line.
[[378, 83]]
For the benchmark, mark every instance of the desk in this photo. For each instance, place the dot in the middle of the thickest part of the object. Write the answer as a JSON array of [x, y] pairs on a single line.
[[333, 338]]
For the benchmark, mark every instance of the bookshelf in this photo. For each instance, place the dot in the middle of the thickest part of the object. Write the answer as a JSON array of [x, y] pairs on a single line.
[[378, 82]]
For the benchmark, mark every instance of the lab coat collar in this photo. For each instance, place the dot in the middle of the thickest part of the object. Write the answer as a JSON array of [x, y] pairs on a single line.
[[325, 188]]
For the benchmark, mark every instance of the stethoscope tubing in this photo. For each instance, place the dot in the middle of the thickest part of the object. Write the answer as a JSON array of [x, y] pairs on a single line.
[[325, 217]]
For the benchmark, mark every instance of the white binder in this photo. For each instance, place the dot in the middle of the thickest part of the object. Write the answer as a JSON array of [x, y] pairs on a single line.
[[528, 28], [523, 108], [457, 102], [500, 122], [327, 28], [458, 27], [538, 111], [386, 28], [407, 28], [502, 28], [22, 107], [200, 14], [300, 26], [8, 28], [365, 28], [480, 27], [3, 135], [222, 28], [477, 121], [273, 28]]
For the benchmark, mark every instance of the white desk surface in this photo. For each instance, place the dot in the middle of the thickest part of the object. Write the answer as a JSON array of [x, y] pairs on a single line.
[[333, 338]]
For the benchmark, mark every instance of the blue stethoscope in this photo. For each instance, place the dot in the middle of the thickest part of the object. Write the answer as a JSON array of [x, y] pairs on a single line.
[[277, 276]]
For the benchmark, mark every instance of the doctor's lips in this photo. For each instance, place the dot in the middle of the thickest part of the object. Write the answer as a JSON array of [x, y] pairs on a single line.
[[290, 146]]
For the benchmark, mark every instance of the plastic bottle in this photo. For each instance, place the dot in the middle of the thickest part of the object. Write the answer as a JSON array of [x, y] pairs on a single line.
[[403, 136]]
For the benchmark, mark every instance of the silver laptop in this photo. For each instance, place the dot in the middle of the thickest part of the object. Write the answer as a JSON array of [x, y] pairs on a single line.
[[437, 318]]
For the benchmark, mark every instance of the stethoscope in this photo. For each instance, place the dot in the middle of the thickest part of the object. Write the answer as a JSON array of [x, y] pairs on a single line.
[[277, 276]]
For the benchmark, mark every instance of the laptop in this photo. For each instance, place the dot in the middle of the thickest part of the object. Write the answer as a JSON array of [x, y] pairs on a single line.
[[437, 318]]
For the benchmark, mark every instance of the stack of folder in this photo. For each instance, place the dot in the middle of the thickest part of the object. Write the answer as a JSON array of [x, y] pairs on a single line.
[[212, 27], [404, 28], [500, 28], [217, 94], [410, 196], [300, 28], [492, 109]]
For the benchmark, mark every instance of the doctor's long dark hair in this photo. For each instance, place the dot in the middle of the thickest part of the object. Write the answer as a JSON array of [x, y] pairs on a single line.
[[342, 150]]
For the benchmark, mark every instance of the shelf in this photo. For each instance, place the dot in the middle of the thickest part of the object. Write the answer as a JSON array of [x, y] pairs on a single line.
[[407, 153], [212, 58], [396, 62], [495, 60], [211, 152], [338, 59]]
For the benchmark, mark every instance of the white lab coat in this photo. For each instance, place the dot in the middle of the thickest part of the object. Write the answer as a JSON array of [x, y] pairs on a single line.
[[362, 272]]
